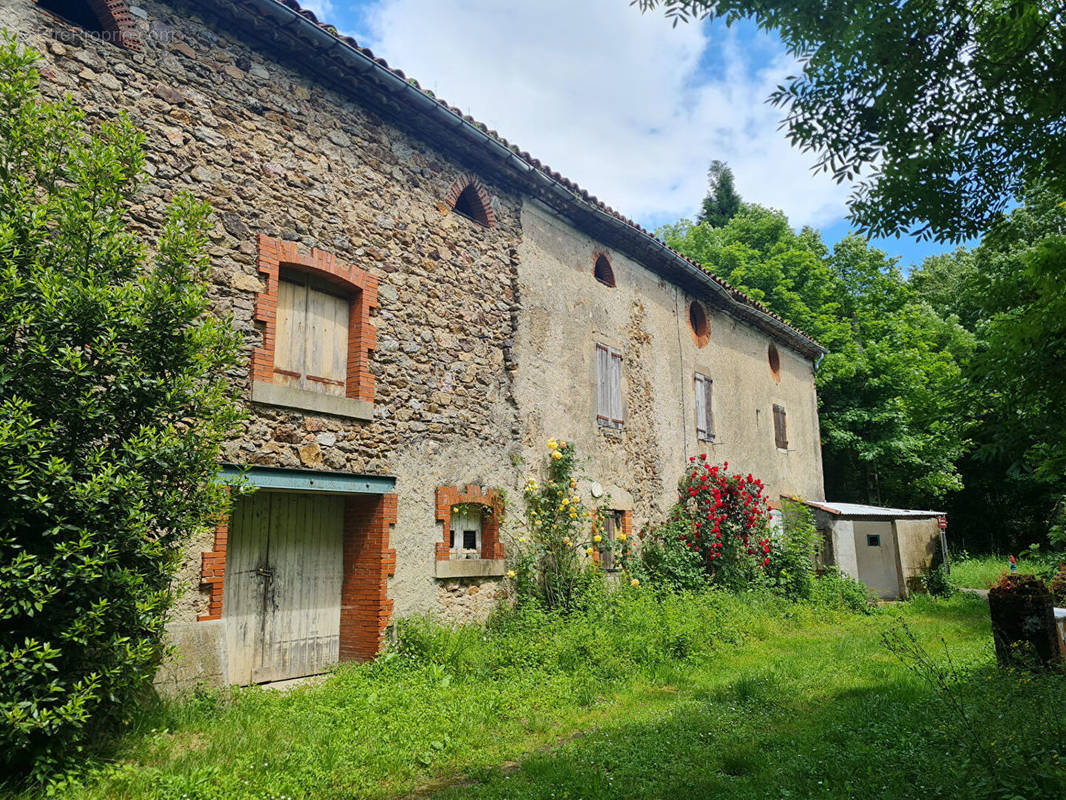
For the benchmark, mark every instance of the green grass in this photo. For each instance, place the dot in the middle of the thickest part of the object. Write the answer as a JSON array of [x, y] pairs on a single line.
[[980, 572], [687, 697]]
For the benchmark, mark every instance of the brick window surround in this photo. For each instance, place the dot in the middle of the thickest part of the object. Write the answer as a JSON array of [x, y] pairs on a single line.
[[460, 185], [368, 562], [115, 19], [361, 288], [448, 496]]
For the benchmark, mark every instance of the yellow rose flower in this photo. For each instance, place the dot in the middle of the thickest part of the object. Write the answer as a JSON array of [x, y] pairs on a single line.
[[522, 539], [566, 502], [597, 538], [556, 455], [510, 573], [588, 550], [566, 540], [621, 537], [634, 582], [552, 444], [575, 499]]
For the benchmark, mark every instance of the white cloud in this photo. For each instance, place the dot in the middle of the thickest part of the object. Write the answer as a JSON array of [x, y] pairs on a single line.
[[323, 9], [613, 99]]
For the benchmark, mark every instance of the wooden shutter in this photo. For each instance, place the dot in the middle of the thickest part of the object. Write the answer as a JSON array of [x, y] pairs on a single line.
[[615, 386], [603, 394], [327, 342], [780, 428], [311, 345], [704, 413]]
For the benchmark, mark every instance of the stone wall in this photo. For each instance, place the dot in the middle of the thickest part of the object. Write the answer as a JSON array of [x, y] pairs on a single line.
[[484, 335], [279, 154]]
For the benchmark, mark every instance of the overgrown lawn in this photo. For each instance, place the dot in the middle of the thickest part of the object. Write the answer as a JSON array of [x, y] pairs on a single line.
[[646, 697]]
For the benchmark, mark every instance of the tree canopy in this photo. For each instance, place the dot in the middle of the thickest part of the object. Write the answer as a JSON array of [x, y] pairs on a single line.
[[943, 111], [887, 389], [722, 201]]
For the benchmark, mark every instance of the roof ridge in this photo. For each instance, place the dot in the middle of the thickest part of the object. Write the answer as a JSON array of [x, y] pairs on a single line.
[[536, 163]]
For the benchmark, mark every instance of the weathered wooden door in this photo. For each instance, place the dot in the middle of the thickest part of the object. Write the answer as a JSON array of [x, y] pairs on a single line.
[[282, 596]]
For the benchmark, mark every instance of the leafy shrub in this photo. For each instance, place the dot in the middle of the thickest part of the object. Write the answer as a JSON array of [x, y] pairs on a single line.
[[113, 407], [668, 562], [727, 523], [554, 562], [834, 589], [791, 567], [937, 582]]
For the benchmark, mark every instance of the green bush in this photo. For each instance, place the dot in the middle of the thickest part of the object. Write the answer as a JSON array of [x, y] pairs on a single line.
[[113, 407], [833, 589], [667, 562], [555, 563], [791, 568]]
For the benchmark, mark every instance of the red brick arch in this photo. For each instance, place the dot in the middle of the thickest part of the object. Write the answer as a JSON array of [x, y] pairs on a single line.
[[448, 496], [462, 183], [362, 288], [116, 20]]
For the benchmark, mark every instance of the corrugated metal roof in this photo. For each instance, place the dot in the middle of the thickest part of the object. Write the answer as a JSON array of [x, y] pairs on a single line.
[[860, 510]]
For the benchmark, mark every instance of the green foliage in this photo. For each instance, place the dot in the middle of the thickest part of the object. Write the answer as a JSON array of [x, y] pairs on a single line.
[[668, 562], [726, 523], [113, 406], [834, 589], [937, 582], [1008, 293], [888, 389], [791, 569], [746, 696], [722, 201], [945, 111], [553, 565]]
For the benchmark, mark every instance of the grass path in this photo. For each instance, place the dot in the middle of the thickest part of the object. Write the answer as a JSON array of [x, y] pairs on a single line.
[[806, 703]]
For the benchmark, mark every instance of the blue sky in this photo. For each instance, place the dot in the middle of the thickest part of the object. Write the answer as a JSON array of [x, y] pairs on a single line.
[[626, 105]]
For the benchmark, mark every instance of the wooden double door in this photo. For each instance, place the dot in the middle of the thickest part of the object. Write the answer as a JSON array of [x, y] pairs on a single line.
[[282, 597]]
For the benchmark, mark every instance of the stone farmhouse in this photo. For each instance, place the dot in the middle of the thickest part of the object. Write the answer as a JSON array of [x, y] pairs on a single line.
[[423, 305]]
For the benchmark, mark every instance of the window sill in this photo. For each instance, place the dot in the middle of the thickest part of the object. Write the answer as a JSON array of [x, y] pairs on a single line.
[[470, 568], [273, 395], [611, 431]]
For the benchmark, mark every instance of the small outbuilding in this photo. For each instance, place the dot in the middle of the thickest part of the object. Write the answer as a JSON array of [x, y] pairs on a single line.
[[887, 549]]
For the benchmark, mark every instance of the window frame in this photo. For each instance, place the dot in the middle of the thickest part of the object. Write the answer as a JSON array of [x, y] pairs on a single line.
[[357, 401], [459, 516], [610, 406], [780, 416], [703, 386]]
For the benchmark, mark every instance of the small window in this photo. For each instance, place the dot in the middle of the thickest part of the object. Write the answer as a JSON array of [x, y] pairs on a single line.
[[780, 428], [470, 205], [75, 12], [704, 412], [603, 272], [464, 538], [697, 320], [311, 348], [608, 387], [774, 359], [873, 540], [612, 526]]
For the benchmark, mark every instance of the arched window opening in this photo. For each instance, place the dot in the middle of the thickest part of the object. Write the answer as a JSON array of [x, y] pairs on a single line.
[[470, 205], [697, 320], [774, 359], [603, 272], [76, 12]]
